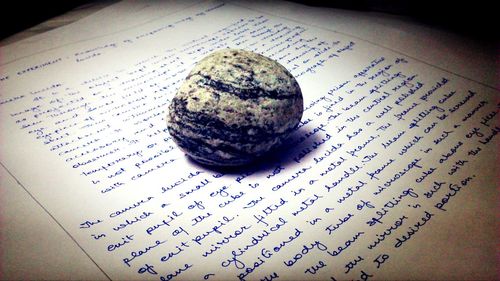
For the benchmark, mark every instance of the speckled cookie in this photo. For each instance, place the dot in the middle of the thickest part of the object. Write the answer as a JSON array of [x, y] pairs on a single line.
[[233, 107]]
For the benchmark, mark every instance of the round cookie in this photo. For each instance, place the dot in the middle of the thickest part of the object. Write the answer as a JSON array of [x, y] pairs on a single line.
[[233, 107]]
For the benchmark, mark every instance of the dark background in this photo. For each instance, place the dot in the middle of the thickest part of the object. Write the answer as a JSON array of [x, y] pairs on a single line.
[[16, 16], [477, 19]]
